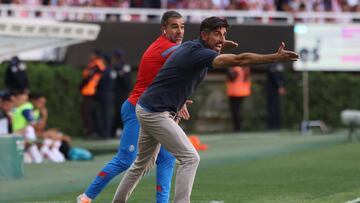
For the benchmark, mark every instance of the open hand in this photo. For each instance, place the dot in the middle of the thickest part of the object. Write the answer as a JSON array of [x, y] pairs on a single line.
[[184, 113], [228, 44], [286, 55]]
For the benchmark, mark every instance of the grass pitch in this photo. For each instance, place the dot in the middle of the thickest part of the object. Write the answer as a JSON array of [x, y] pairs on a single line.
[[251, 167]]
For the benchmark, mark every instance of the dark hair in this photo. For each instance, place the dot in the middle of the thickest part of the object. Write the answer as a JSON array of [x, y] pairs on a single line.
[[119, 53], [15, 60], [107, 59], [6, 97], [167, 15], [212, 23], [17, 92], [36, 96], [98, 53]]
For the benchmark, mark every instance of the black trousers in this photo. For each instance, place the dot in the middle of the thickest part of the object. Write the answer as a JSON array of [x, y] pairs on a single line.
[[235, 108], [88, 114], [106, 119]]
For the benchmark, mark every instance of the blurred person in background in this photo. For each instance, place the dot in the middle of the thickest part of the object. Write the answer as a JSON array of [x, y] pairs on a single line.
[[51, 143], [275, 90], [90, 79], [55, 146], [220, 4], [22, 123], [238, 88], [16, 76], [285, 5], [40, 112], [269, 5], [172, 32], [105, 99], [6, 106], [122, 87]]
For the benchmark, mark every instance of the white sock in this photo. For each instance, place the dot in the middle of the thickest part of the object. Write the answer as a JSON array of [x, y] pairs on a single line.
[[27, 158], [35, 154], [45, 150], [30, 133], [56, 151]]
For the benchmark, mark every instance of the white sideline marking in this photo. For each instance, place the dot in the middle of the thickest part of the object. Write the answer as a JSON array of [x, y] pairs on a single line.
[[357, 200], [200, 201], [49, 202]]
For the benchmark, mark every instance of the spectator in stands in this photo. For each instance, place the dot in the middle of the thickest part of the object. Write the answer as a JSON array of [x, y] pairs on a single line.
[[284, 5], [345, 7], [357, 8], [178, 4], [233, 6], [332, 5], [269, 5], [91, 77], [292, 6], [220, 4], [16, 76], [206, 4], [145, 3], [6, 106], [255, 5]]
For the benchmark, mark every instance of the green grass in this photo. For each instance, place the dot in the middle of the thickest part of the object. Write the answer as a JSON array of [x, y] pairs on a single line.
[[254, 168]]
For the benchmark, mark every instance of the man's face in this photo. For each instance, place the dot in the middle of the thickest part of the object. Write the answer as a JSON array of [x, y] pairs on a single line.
[[174, 30], [7, 106], [214, 40], [40, 103], [20, 99]]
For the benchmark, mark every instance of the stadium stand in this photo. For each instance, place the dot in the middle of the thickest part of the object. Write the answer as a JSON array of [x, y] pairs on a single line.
[[269, 11]]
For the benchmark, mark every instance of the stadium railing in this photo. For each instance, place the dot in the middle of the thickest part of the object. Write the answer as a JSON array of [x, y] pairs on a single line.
[[96, 14]]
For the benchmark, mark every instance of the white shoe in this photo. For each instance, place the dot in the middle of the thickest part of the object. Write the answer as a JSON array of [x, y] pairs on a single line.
[[56, 151], [83, 199], [27, 158], [47, 154], [35, 154], [59, 156]]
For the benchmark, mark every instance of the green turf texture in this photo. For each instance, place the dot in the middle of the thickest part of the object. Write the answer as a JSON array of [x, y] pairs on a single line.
[[251, 167]]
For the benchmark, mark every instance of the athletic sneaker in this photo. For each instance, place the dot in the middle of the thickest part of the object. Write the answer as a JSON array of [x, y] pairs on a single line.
[[83, 199]]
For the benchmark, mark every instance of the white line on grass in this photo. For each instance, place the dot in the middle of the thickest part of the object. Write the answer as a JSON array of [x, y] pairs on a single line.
[[357, 200], [199, 201], [49, 202]]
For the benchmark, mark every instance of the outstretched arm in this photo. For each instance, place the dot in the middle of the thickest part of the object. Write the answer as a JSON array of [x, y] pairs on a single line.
[[246, 59]]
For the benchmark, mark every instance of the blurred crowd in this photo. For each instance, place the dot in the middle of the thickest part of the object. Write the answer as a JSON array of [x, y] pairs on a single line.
[[268, 5], [247, 5]]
